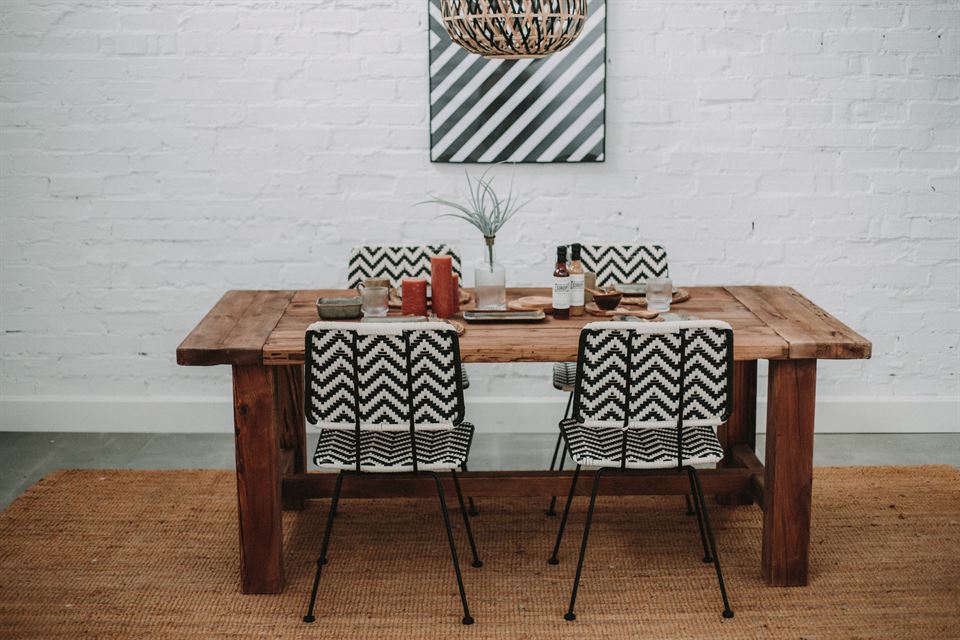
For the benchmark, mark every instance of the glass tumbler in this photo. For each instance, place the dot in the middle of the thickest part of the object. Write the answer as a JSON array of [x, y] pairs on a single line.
[[659, 294], [374, 301]]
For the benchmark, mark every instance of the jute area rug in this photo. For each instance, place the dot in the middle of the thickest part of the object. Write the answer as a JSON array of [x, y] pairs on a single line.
[[111, 554]]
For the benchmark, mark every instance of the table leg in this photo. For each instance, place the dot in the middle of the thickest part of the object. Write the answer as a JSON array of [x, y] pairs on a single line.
[[788, 471], [288, 400], [258, 479], [741, 427]]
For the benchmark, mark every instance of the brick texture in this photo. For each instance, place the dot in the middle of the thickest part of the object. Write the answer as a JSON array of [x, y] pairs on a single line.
[[156, 153]]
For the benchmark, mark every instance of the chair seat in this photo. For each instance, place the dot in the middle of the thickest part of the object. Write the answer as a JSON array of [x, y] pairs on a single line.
[[646, 448], [464, 380], [564, 376], [389, 451]]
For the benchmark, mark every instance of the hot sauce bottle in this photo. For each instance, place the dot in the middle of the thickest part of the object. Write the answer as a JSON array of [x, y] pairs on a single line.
[[561, 286], [576, 281]]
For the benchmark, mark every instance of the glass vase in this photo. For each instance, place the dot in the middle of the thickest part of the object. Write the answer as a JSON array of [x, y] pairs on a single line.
[[490, 280]]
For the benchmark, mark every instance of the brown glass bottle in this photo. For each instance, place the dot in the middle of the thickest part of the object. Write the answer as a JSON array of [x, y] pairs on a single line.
[[561, 286]]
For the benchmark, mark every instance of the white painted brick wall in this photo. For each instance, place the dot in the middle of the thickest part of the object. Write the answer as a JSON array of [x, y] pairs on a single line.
[[157, 153]]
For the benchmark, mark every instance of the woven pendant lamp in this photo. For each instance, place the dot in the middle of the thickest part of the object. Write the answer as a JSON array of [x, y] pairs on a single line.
[[513, 29]]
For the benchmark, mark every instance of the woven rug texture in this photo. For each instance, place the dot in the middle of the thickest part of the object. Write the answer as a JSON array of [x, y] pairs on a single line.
[[121, 554]]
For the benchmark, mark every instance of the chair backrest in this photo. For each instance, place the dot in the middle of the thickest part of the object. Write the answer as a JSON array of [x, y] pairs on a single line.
[[383, 376], [396, 262], [651, 375], [616, 264]]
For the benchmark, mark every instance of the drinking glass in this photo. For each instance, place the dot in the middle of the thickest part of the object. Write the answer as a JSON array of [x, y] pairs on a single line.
[[374, 301], [659, 294]]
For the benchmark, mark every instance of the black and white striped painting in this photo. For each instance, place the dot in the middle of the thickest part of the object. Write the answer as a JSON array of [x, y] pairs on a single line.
[[545, 110]]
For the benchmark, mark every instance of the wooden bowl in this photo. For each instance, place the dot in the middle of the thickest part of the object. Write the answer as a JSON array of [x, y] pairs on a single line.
[[607, 300]]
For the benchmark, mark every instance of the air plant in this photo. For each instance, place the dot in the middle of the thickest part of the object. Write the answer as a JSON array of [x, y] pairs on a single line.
[[485, 210]]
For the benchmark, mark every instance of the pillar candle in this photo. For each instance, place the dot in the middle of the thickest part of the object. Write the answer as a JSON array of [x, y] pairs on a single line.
[[441, 285], [455, 295], [414, 296]]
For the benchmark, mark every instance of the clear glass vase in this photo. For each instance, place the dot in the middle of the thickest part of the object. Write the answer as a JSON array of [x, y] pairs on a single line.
[[490, 280]]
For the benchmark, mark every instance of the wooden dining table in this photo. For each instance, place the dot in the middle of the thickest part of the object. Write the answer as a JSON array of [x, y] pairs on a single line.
[[260, 334]]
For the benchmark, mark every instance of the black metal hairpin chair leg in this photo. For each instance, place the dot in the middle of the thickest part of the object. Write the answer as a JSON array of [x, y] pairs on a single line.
[[707, 557], [570, 615], [566, 513], [473, 508], [551, 511], [467, 618], [322, 559], [702, 503], [690, 511], [466, 520]]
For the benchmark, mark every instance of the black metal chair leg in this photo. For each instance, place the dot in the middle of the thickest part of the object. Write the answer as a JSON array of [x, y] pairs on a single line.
[[474, 512], [466, 520], [467, 619], [690, 511], [727, 611], [707, 557], [570, 615], [322, 560], [551, 511], [566, 513]]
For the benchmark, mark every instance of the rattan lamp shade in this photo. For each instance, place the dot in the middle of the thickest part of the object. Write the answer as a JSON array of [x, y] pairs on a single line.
[[510, 29]]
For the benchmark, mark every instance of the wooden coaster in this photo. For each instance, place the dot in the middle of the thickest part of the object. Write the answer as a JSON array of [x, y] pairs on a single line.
[[396, 302], [680, 295], [532, 303], [594, 310]]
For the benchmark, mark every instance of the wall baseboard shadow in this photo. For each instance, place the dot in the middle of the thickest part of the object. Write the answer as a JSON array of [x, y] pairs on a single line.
[[176, 414]]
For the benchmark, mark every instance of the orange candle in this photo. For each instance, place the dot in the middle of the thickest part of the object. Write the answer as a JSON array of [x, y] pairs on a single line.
[[414, 296], [455, 295], [441, 285]]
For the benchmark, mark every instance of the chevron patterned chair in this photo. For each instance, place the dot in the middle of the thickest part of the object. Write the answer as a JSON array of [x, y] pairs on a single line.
[[613, 264], [388, 399], [649, 396]]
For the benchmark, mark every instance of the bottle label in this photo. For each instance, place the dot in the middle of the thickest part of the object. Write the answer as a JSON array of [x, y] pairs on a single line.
[[561, 293], [576, 289]]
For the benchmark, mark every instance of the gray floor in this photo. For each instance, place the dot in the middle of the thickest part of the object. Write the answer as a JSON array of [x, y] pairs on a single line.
[[27, 457]]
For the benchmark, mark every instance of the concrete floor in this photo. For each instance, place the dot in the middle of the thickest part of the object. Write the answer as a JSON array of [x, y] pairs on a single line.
[[27, 457]]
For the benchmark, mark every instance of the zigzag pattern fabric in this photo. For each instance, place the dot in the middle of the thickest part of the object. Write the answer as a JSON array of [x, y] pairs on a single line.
[[618, 264], [564, 375], [350, 370], [390, 451], [396, 262], [376, 375], [645, 448], [650, 378]]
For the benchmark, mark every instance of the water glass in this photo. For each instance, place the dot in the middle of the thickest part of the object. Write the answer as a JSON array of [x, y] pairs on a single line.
[[374, 301], [659, 294]]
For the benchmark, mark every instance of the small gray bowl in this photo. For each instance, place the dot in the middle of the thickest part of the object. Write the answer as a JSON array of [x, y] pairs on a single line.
[[339, 308]]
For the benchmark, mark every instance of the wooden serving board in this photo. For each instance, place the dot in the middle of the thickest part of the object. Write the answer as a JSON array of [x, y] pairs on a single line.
[[396, 302], [680, 295], [532, 303], [594, 310]]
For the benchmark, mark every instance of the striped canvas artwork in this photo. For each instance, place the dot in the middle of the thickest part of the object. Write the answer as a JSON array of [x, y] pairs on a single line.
[[545, 110]]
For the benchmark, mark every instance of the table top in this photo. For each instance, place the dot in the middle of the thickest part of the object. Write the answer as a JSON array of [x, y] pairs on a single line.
[[771, 323]]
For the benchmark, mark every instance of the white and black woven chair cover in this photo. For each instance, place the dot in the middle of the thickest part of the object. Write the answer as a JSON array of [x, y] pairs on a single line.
[[383, 381], [638, 383], [649, 396], [624, 264], [397, 263], [388, 399]]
